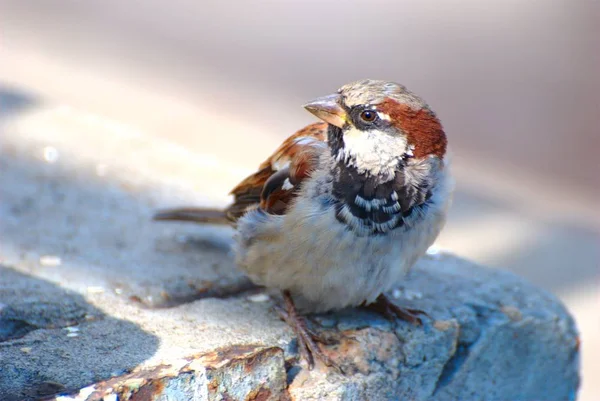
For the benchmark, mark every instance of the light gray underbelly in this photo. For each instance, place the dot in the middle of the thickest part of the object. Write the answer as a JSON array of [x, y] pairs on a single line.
[[323, 264]]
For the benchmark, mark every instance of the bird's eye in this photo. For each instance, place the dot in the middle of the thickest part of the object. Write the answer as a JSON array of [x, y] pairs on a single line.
[[368, 116]]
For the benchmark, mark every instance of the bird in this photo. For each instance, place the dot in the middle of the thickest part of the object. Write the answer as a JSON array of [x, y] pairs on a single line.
[[342, 210]]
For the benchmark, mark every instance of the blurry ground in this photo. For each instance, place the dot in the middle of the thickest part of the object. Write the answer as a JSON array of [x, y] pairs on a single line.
[[515, 84]]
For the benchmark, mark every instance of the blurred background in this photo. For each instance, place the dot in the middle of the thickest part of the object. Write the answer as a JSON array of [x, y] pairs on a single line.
[[194, 94]]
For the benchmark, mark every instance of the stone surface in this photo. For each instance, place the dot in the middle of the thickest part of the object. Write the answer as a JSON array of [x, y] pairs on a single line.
[[247, 373], [92, 293], [489, 336]]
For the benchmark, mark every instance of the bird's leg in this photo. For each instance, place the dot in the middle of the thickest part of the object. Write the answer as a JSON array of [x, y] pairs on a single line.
[[390, 310], [307, 339]]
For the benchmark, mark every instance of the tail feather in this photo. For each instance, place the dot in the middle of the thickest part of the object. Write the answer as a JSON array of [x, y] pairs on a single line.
[[191, 214]]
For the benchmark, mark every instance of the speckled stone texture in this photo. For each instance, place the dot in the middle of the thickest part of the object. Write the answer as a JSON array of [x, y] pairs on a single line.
[[490, 336]]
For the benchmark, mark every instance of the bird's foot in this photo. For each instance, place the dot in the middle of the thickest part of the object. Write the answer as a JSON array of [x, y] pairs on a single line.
[[390, 310], [307, 338]]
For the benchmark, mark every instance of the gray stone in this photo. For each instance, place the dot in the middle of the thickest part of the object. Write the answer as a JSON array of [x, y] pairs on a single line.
[[236, 373], [490, 335]]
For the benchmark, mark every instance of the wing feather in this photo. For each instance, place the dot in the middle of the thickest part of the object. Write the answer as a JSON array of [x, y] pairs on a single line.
[[276, 182], [271, 188]]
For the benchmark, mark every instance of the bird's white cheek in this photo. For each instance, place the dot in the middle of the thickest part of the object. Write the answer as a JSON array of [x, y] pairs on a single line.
[[373, 151]]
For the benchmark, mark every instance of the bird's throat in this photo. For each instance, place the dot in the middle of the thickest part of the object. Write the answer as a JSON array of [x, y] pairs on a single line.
[[372, 152], [374, 201]]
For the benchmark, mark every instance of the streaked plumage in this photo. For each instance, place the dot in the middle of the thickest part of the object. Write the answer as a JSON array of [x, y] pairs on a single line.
[[343, 208]]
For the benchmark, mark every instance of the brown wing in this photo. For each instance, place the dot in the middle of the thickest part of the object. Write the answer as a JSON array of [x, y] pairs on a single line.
[[271, 188], [276, 182]]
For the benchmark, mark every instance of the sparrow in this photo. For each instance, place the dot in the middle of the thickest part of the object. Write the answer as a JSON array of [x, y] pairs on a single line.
[[344, 207]]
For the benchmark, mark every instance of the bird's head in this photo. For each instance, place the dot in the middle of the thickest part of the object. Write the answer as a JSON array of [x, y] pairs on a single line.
[[376, 126]]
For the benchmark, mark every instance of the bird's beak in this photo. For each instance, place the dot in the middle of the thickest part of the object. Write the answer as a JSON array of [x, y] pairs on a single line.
[[328, 109]]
